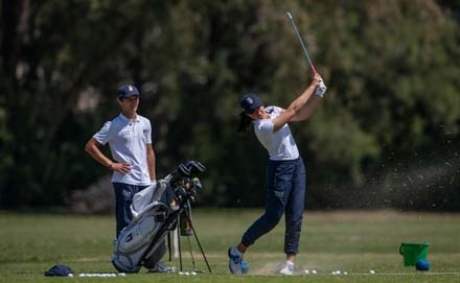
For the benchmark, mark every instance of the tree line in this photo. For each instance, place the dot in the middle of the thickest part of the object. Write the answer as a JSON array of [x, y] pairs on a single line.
[[385, 136]]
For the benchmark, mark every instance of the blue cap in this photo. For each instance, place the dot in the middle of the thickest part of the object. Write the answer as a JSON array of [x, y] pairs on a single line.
[[59, 270], [250, 103], [127, 91]]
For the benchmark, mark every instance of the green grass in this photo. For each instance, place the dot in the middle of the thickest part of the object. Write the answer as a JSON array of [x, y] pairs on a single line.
[[355, 242]]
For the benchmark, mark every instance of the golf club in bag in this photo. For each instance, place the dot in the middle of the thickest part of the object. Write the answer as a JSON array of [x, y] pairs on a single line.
[[156, 212], [321, 89]]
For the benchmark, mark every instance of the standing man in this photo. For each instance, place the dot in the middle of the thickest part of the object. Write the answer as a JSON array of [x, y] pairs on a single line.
[[129, 136]]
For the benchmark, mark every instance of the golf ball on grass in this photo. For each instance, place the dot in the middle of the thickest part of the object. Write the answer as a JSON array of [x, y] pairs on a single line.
[[422, 265], [336, 272], [371, 271], [308, 271]]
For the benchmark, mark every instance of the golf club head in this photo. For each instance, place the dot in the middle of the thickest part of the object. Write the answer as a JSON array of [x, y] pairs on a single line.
[[197, 183], [189, 168]]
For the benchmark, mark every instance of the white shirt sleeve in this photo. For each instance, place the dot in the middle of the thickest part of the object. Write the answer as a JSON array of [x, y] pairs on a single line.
[[265, 126], [148, 133], [103, 136]]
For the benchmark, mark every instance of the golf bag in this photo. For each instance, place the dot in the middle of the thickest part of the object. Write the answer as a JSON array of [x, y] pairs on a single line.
[[156, 212]]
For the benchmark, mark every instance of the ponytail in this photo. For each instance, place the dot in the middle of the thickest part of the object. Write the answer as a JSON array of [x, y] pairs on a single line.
[[245, 122]]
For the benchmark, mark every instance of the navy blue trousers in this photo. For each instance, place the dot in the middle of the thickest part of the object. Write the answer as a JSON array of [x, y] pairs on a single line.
[[286, 186], [124, 194]]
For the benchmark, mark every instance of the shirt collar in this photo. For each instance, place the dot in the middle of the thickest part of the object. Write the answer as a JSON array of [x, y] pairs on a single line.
[[124, 118]]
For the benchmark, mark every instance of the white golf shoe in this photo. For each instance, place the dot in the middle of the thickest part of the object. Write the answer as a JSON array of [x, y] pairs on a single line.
[[288, 269], [234, 262]]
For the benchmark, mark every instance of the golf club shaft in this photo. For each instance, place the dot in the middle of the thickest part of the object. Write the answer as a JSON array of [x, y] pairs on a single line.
[[301, 43]]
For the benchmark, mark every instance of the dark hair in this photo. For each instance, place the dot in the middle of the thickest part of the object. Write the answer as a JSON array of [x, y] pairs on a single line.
[[245, 122]]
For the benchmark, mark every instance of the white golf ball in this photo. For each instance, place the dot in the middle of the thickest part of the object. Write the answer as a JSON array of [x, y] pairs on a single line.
[[193, 273], [121, 274], [306, 271], [313, 271], [181, 273], [345, 273], [371, 271], [186, 273]]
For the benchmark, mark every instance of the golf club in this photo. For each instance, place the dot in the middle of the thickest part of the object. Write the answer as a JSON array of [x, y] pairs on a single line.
[[321, 87]]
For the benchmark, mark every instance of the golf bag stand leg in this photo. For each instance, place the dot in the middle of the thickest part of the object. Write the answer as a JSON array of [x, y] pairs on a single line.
[[179, 247], [187, 215]]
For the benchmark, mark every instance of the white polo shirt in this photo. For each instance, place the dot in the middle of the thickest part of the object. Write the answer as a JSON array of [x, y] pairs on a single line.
[[128, 141], [281, 144]]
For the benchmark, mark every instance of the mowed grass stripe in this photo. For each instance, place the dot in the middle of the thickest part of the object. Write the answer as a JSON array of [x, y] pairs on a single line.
[[355, 242]]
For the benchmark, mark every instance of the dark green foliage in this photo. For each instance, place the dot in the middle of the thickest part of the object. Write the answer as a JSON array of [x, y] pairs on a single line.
[[386, 135]]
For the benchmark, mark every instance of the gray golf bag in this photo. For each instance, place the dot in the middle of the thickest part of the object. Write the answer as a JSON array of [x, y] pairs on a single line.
[[156, 212]]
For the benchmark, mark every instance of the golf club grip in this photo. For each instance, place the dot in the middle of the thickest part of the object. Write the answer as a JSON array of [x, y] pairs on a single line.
[[313, 69]]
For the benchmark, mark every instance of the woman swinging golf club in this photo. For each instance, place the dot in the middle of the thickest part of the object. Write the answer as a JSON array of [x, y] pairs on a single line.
[[286, 175]]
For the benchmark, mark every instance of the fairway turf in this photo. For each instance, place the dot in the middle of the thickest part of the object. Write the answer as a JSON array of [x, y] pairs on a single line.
[[352, 242]]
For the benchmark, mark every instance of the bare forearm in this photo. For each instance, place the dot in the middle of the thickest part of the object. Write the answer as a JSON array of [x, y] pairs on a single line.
[[300, 101], [306, 111], [151, 163], [92, 149], [293, 112]]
